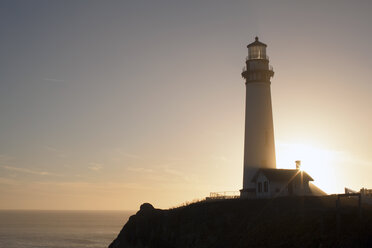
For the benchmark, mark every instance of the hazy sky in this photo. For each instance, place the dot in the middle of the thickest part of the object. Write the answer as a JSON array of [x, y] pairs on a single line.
[[109, 104]]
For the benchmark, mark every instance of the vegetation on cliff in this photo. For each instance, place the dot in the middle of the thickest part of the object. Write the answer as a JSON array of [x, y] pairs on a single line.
[[281, 222]]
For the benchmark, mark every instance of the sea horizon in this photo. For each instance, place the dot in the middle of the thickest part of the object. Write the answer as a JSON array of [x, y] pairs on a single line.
[[98, 210], [60, 228]]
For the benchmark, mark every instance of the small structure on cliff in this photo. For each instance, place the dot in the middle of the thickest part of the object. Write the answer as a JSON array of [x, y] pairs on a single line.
[[365, 194], [281, 182]]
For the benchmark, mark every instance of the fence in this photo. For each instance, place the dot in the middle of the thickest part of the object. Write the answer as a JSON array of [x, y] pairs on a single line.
[[223, 195]]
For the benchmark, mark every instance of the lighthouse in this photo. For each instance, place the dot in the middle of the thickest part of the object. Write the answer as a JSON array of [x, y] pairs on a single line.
[[259, 146]]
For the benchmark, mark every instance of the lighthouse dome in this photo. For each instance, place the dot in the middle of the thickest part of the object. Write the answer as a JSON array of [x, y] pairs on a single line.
[[256, 43]]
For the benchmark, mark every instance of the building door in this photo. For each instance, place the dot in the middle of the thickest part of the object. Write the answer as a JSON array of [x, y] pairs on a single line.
[[290, 188]]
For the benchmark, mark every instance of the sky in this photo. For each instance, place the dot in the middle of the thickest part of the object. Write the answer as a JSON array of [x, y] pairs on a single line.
[[109, 104]]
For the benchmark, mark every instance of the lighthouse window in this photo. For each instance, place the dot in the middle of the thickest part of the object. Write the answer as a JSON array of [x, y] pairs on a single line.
[[257, 52], [259, 187], [266, 187]]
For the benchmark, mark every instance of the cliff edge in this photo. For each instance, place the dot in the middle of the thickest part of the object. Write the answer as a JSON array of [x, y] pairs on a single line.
[[281, 222]]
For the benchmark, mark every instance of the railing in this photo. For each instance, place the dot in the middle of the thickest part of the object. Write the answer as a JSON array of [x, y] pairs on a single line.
[[252, 67], [224, 195], [256, 56]]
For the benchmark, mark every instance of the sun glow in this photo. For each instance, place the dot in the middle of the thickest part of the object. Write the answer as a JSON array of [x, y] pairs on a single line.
[[318, 162]]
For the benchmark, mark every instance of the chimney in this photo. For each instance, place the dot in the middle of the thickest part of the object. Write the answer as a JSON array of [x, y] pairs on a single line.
[[298, 164]]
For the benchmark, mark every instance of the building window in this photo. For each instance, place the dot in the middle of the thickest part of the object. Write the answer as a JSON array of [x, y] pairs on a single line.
[[266, 187], [259, 187]]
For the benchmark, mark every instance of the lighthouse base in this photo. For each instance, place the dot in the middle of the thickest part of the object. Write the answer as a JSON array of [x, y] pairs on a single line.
[[248, 193]]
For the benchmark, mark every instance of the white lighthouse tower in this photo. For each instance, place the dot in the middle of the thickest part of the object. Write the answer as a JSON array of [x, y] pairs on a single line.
[[259, 146]]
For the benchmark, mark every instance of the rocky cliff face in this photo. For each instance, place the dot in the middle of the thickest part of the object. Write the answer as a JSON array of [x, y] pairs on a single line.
[[285, 222]]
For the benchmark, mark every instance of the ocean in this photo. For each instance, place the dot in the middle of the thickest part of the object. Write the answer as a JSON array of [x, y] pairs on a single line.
[[60, 229]]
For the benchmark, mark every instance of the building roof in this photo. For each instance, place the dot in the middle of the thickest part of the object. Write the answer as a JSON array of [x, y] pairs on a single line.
[[282, 175], [257, 43]]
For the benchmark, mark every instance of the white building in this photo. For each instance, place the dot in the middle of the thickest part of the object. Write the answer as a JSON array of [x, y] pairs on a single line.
[[271, 183]]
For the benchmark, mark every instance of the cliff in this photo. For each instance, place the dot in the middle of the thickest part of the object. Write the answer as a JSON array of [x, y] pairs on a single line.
[[281, 222]]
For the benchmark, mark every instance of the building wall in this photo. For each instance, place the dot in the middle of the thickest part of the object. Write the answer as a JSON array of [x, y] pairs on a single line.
[[277, 189], [299, 189]]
